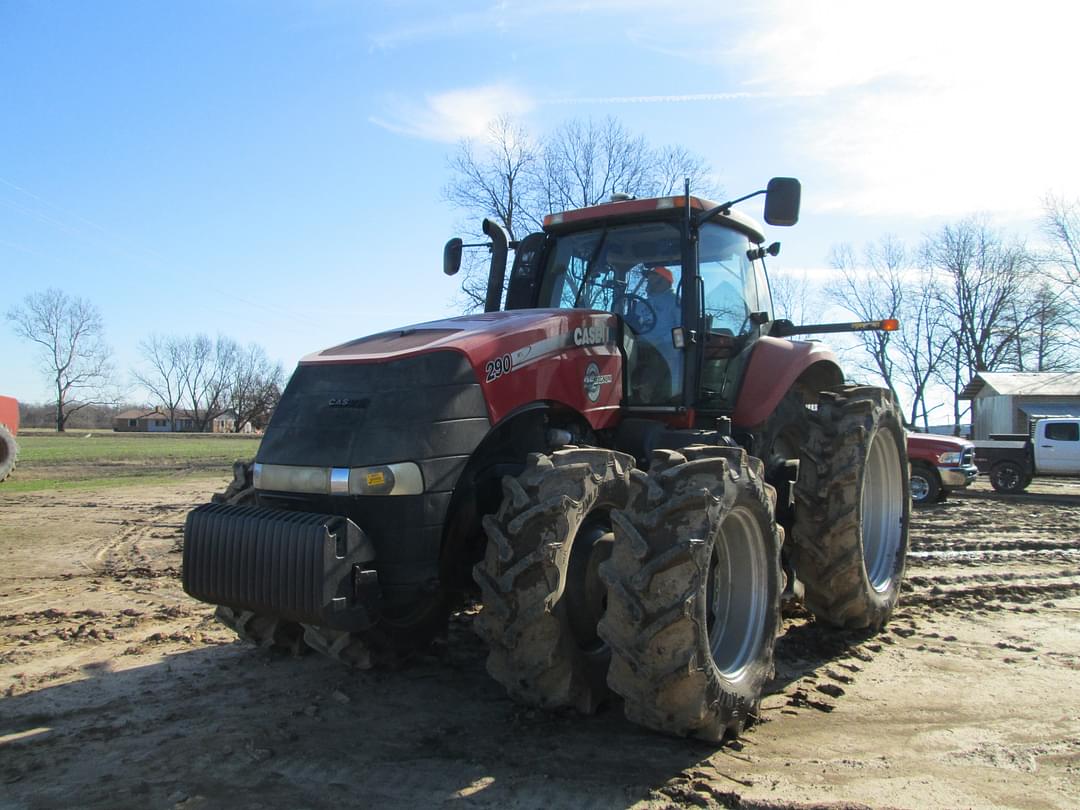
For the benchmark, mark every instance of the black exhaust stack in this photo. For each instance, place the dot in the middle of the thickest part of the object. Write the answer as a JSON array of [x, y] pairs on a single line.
[[497, 275]]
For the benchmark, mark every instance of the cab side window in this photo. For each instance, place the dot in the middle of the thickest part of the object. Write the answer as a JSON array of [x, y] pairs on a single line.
[[731, 290], [1063, 431]]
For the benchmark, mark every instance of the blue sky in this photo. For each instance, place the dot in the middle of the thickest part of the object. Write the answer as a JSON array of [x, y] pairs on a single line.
[[274, 171]]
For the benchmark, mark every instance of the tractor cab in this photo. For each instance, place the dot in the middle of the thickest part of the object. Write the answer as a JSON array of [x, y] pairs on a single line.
[[686, 277]]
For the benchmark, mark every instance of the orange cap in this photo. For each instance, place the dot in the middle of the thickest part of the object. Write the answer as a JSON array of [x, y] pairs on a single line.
[[664, 273]]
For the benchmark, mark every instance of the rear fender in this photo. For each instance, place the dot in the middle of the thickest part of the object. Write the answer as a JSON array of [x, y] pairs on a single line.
[[775, 366]]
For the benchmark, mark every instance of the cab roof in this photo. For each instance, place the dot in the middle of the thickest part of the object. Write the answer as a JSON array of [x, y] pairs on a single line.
[[648, 208]]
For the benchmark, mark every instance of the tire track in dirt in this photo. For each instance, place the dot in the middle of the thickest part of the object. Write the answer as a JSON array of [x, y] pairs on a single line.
[[984, 552], [133, 576], [137, 551], [981, 554]]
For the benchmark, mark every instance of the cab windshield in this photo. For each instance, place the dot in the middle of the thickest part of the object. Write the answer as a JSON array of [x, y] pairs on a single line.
[[634, 271], [606, 268]]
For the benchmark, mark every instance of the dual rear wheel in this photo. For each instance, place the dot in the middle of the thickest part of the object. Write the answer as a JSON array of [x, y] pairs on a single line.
[[688, 557]]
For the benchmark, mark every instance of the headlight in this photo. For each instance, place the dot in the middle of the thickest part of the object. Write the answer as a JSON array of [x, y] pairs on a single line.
[[951, 459], [404, 478]]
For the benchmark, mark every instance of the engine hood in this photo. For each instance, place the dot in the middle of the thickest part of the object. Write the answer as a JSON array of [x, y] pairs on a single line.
[[476, 335], [936, 443]]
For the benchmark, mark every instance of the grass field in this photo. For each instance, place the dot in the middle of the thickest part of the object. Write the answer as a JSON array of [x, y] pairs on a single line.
[[94, 459]]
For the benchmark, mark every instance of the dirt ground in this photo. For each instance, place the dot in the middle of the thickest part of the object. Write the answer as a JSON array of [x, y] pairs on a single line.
[[119, 691]]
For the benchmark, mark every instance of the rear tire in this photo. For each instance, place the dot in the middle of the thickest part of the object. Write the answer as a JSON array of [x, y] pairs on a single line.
[[541, 593], [694, 593], [1008, 477], [9, 452], [852, 508], [925, 487]]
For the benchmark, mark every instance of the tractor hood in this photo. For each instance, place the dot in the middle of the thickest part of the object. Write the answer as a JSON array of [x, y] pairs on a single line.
[[569, 356], [528, 334]]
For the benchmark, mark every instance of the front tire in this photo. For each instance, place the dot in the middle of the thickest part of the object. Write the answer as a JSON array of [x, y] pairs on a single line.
[[694, 593], [268, 632], [852, 508], [925, 487], [542, 597]]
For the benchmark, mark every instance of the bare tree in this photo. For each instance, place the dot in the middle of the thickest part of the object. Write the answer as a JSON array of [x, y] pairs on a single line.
[[490, 180], [983, 276], [1061, 222], [918, 348], [69, 333], [163, 376], [206, 372], [256, 387], [884, 284], [516, 179], [584, 163], [872, 291], [1049, 341]]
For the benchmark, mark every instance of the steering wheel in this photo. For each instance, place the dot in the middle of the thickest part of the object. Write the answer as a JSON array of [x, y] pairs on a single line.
[[640, 315]]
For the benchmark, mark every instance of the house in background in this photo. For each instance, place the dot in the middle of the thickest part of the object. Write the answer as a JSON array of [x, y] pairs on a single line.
[[1006, 402], [142, 420]]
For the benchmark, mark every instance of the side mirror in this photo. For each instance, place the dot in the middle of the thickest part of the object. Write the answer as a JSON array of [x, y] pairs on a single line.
[[451, 257], [782, 201]]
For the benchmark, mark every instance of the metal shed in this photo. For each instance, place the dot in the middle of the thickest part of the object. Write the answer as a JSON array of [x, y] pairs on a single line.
[[1006, 402]]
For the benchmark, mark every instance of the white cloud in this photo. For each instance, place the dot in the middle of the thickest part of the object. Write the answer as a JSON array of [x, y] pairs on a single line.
[[454, 114], [931, 108], [672, 99]]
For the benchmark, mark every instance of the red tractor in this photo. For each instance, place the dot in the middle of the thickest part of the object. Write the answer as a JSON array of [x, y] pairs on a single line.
[[9, 428], [625, 452]]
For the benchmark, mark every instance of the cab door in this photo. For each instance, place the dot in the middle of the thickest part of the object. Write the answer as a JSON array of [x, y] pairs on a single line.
[[1057, 446], [733, 292]]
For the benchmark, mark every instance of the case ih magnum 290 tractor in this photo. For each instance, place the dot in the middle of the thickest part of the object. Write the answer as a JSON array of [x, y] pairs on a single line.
[[630, 459]]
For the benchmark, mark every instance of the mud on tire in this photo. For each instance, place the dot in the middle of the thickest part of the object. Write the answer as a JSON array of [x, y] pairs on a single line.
[[541, 594], [852, 507], [263, 631], [241, 490], [694, 588]]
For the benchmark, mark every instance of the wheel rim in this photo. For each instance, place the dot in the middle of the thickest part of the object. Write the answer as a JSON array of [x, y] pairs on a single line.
[[737, 602], [882, 510], [1008, 476], [585, 594], [920, 487]]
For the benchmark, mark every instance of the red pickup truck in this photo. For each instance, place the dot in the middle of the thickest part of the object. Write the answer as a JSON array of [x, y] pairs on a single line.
[[939, 464]]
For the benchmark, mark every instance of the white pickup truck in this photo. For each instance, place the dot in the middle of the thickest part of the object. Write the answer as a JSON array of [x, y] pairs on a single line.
[[1013, 460]]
